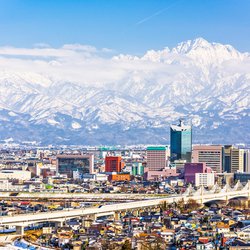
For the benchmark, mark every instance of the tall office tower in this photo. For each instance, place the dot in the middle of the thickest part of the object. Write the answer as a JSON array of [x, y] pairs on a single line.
[[237, 160], [156, 158], [71, 164], [181, 142], [227, 158], [113, 164], [247, 161], [209, 154]]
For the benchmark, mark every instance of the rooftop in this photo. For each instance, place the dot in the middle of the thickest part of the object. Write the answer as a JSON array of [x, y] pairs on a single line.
[[159, 148]]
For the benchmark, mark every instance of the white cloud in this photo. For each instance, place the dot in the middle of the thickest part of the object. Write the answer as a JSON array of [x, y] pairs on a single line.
[[41, 45], [36, 52], [80, 47], [86, 64]]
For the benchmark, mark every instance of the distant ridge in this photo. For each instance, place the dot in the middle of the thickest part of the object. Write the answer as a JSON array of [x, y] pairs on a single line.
[[208, 83]]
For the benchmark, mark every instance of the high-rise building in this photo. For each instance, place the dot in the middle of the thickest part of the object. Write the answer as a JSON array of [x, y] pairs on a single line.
[[237, 160], [75, 165], [181, 142], [247, 161], [209, 154], [113, 164], [227, 158], [156, 158]]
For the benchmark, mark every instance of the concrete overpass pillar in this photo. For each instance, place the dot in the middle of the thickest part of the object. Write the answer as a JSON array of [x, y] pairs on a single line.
[[137, 213], [117, 215], [245, 203], [202, 193], [20, 230], [82, 219], [58, 224], [123, 213], [227, 199]]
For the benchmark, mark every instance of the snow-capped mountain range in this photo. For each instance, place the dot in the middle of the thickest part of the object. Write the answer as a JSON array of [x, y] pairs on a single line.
[[125, 99]]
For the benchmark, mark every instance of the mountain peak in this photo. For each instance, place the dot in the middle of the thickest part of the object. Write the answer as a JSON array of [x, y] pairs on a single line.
[[187, 46], [200, 42], [207, 53]]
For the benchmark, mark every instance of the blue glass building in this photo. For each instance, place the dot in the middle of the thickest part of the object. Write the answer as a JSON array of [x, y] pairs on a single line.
[[181, 142]]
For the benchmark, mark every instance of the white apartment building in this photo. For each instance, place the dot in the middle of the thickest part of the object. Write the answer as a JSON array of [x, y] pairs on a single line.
[[204, 179]]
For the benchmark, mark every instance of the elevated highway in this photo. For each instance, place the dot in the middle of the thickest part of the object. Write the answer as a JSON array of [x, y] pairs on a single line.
[[76, 196], [201, 195]]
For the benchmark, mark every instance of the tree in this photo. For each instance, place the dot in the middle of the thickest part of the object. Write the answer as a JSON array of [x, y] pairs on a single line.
[[153, 244], [192, 204], [180, 205], [159, 244], [126, 245], [205, 219], [234, 203], [163, 206], [123, 189]]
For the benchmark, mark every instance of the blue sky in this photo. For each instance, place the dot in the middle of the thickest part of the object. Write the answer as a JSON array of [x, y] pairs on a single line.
[[127, 26]]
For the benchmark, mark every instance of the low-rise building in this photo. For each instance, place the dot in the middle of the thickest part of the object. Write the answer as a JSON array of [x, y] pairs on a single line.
[[156, 175], [204, 179], [190, 169], [114, 176], [15, 174]]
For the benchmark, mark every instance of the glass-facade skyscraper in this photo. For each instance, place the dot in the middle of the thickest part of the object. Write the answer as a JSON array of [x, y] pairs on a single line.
[[181, 142]]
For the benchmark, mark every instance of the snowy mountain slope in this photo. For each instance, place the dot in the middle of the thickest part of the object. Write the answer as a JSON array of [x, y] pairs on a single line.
[[208, 83]]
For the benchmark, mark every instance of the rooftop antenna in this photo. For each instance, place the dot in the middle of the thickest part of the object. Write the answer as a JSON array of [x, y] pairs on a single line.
[[181, 122]]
